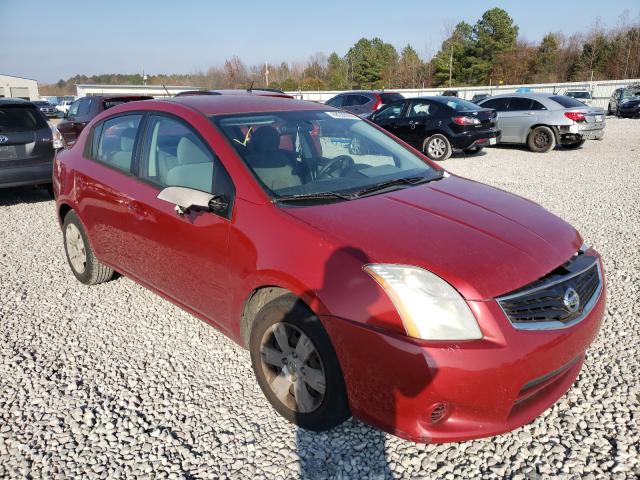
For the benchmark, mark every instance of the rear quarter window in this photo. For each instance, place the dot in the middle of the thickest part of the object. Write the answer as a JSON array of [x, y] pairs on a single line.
[[566, 102], [22, 118]]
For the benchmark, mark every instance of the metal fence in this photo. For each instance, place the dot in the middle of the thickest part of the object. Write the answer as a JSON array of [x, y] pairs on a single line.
[[600, 90]]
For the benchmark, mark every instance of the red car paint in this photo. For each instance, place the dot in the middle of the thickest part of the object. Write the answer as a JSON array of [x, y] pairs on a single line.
[[483, 241]]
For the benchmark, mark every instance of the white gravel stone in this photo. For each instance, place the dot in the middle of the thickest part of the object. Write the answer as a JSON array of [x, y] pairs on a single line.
[[111, 380]]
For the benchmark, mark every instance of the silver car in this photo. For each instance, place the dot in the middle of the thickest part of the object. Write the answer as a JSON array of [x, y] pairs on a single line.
[[544, 120]]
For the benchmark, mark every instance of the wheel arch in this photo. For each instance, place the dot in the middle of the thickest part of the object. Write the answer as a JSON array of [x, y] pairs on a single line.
[[63, 210], [257, 299], [554, 129]]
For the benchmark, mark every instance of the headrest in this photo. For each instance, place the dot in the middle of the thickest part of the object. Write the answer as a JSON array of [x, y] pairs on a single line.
[[189, 152], [265, 139]]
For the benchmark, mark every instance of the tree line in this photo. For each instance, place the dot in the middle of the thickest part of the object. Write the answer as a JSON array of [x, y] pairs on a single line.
[[489, 52]]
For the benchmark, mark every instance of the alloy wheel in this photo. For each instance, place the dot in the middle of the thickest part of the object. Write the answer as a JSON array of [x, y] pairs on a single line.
[[437, 147], [75, 248], [293, 368]]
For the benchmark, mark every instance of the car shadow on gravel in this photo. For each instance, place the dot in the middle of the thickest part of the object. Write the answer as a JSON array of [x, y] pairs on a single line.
[[17, 195], [379, 382]]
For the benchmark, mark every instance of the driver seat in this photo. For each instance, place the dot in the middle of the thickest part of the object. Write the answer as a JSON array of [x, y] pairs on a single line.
[[272, 166]]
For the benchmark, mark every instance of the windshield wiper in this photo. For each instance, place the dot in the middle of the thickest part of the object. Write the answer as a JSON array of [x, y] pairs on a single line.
[[398, 181], [306, 197]]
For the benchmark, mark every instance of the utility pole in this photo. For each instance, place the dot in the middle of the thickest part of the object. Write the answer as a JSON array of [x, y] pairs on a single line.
[[266, 73]]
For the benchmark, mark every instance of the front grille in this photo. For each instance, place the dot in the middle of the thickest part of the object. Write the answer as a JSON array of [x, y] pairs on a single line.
[[551, 301]]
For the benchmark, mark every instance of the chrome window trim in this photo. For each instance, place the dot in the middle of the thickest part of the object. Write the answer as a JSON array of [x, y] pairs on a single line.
[[556, 325]]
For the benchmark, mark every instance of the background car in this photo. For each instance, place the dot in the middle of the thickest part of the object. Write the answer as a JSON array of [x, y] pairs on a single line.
[[478, 97], [84, 109], [630, 107], [374, 284], [621, 95], [63, 106], [450, 93], [363, 103], [438, 125], [27, 144], [46, 108], [583, 96], [543, 120]]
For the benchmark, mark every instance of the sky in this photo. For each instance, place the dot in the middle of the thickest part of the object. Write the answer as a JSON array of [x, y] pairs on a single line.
[[48, 40]]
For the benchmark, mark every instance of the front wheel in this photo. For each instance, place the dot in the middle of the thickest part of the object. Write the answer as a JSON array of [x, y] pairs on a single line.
[[541, 139], [437, 147], [83, 262], [296, 366]]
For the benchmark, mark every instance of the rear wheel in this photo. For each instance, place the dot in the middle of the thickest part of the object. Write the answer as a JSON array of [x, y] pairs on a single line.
[[296, 366], [609, 111], [83, 262], [541, 139], [437, 147]]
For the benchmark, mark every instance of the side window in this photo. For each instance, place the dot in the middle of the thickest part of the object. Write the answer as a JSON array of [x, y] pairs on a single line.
[[349, 100], [362, 100], [421, 108], [391, 111], [519, 104], [73, 109], [535, 105], [84, 107], [114, 140], [335, 102], [174, 156], [498, 104]]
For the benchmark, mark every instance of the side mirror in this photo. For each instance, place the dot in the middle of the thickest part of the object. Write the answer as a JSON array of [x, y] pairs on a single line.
[[186, 199]]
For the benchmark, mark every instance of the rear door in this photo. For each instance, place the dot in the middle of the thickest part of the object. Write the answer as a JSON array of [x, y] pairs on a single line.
[[420, 117], [182, 256], [80, 113], [503, 120], [25, 137]]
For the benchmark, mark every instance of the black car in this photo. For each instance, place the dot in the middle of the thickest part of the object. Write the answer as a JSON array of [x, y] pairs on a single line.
[[478, 97], [620, 96], [437, 125], [46, 108], [630, 107], [26, 144], [363, 103]]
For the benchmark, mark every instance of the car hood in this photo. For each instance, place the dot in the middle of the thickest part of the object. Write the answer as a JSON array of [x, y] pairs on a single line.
[[482, 240]]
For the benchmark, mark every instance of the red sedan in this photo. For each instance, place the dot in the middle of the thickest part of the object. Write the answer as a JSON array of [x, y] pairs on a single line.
[[363, 278]]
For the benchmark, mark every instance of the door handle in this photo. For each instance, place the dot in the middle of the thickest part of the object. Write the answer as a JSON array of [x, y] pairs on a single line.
[[136, 209]]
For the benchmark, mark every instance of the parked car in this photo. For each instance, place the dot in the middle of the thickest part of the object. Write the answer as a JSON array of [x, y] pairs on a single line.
[[630, 107], [63, 107], [544, 120], [621, 95], [363, 103], [46, 108], [450, 93], [84, 109], [438, 125], [27, 144], [478, 97], [583, 96], [377, 284], [265, 92]]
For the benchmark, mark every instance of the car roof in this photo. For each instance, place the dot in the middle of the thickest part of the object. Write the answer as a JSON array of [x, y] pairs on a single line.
[[534, 95], [230, 104], [14, 101]]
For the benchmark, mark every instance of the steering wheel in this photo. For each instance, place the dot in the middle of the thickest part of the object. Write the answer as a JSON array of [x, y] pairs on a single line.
[[341, 162]]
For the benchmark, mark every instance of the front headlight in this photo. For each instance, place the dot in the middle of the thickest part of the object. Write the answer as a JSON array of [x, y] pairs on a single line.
[[429, 307]]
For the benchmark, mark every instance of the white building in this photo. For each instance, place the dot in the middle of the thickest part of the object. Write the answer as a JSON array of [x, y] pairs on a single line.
[[83, 90], [18, 87]]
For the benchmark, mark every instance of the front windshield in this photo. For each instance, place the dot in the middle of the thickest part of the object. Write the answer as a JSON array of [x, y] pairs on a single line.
[[578, 94], [316, 152]]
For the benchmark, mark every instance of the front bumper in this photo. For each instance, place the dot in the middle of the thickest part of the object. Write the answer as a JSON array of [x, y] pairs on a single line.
[[487, 386], [629, 112], [483, 138]]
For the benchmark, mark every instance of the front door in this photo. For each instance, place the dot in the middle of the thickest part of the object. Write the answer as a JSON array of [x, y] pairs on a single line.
[[389, 116], [418, 119], [182, 256]]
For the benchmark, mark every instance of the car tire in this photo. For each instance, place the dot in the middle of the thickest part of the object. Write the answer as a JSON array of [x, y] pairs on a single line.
[[437, 147], [309, 391], [541, 139], [609, 111], [573, 145], [472, 151], [82, 261], [49, 188]]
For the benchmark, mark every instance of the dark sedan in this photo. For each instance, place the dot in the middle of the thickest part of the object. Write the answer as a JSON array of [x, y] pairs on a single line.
[[630, 107], [27, 144], [438, 125], [85, 109]]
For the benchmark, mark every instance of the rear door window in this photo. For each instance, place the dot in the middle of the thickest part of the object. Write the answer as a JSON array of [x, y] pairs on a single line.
[[116, 141], [535, 105], [20, 118], [422, 108], [518, 104], [84, 107]]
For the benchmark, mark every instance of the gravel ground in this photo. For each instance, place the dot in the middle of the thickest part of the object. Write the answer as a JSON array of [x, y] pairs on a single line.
[[112, 381]]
